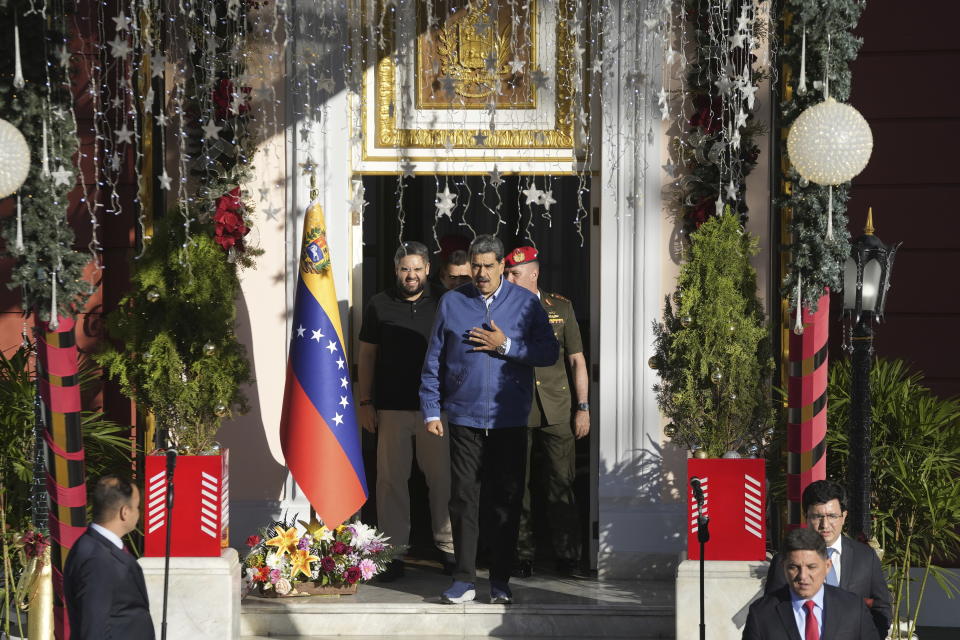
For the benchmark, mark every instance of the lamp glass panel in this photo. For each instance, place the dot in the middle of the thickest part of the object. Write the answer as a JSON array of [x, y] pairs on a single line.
[[850, 284], [871, 284]]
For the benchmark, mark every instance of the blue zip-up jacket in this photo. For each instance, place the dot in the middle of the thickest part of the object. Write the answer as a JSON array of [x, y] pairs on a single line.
[[482, 388]]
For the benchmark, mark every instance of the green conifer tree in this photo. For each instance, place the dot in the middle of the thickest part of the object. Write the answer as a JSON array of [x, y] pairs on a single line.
[[713, 351]]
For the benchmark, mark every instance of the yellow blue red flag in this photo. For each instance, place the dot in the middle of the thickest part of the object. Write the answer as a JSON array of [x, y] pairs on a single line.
[[318, 430]]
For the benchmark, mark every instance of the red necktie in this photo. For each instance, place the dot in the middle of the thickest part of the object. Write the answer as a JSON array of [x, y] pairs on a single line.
[[811, 630]]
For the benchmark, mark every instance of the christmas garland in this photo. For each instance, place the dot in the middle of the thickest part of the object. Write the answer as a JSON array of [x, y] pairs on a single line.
[[37, 236], [718, 149], [815, 263]]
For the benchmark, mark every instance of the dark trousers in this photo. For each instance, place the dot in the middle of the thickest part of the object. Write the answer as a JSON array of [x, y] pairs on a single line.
[[492, 461], [551, 459]]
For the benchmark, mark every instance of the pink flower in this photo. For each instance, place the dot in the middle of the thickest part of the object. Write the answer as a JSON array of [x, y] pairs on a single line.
[[367, 569], [274, 576]]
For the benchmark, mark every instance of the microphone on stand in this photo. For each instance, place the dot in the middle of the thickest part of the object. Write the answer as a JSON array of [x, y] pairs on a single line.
[[171, 467], [703, 536], [697, 491]]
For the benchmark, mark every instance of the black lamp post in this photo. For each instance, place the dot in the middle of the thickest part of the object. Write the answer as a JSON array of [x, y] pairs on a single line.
[[866, 280]]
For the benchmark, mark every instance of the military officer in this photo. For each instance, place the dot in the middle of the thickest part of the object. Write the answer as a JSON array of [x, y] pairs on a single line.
[[551, 433]]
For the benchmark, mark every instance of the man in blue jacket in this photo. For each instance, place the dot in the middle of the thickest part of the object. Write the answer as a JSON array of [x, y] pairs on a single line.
[[486, 340]]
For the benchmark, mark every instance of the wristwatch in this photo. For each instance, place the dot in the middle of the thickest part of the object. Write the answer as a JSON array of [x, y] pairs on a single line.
[[583, 406], [502, 348]]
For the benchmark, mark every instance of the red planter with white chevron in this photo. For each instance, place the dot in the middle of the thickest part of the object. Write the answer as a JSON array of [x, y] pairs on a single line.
[[201, 506], [734, 492]]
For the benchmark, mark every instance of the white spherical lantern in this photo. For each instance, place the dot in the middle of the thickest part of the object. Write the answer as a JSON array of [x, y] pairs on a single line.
[[830, 143], [14, 158]]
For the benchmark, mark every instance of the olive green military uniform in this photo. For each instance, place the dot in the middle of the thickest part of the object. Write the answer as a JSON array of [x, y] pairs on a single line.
[[550, 440]]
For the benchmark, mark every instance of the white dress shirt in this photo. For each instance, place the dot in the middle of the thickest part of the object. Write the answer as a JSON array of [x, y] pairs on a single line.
[[109, 535], [800, 614]]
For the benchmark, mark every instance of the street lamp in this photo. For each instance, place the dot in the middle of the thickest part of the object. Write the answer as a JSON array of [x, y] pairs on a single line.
[[866, 280]]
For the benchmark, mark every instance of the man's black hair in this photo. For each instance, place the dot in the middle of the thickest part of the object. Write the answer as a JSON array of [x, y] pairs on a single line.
[[457, 258], [487, 244], [823, 491], [109, 494], [805, 540]]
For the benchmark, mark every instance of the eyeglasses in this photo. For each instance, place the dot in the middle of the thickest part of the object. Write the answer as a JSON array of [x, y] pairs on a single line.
[[830, 517]]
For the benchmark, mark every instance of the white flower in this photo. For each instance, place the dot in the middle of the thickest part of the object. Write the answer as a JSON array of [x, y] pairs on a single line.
[[325, 535], [362, 535], [273, 560], [283, 586]]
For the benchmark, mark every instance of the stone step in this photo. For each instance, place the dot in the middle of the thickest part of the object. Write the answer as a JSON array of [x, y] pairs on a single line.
[[544, 606]]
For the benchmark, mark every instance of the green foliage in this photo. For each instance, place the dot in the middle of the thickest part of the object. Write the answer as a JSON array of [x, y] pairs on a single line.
[[915, 464], [48, 240], [161, 359], [726, 333], [815, 261]]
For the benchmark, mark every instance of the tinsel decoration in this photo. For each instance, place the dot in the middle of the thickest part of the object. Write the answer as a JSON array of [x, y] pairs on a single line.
[[712, 350], [829, 44], [717, 149]]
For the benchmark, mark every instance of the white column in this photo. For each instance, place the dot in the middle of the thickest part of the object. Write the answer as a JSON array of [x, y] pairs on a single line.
[[640, 526]]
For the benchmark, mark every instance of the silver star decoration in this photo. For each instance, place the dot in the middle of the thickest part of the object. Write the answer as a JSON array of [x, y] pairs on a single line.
[[308, 167], [271, 212], [210, 130], [264, 192], [749, 90], [445, 202], [546, 199], [670, 168], [162, 119], [357, 203], [62, 177], [480, 139], [122, 21], [164, 180], [741, 119], [632, 201], [305, 134], [724, 84], [325, 83], [116, 102], [119, 47], [124, 135], [60, 113], [64, 55], [496, 178], [448, 84], [735, 139], [731, 191], [516, 66], [115, 162], [158, 64], [539, 79], [533, 195], [407, 168], [736, 40], [719, 205]]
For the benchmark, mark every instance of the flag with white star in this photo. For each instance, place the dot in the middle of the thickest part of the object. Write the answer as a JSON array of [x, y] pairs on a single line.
[[318, 430]]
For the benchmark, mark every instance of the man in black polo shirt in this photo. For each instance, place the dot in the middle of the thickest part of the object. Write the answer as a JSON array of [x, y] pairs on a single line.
[[393, 342]]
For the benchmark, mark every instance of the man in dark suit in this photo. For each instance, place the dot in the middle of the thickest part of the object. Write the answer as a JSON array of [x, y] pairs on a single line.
[[857, 569], [806, 608], [102, 583]]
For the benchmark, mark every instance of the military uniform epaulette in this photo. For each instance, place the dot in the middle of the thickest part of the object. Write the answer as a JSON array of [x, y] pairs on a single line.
[[559, 297]]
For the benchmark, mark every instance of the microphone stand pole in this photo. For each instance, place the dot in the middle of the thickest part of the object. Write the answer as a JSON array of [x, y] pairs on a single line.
[[171, 466], [703, 535]]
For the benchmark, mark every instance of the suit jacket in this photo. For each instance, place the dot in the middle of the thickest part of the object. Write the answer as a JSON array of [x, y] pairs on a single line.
[[105, 593], [860, 573], [845, 617]]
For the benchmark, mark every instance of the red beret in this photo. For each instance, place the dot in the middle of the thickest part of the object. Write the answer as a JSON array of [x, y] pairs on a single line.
[[521, 255]]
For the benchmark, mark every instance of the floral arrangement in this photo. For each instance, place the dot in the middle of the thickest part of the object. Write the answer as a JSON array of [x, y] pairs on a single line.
[[229, 224], [281, 558]]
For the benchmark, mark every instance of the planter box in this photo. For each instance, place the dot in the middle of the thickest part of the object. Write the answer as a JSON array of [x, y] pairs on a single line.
[[734, 500], [201, 512], [310, 589]]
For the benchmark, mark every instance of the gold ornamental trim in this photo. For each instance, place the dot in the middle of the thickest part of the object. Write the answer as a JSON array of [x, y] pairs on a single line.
[[388, 134]]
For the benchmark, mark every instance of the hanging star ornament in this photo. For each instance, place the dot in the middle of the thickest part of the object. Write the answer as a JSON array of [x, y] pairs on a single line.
[[546, 199], [539, 79], [749, 93], [61, 177], [158, 64], [164, 180], [284, 541], [119, 48], [124, 135], [480, 139], [532, 194], [731, 191], [122, 21], [516, 66], [407, 168], [445, 202], [496, 178], [357, 203], [210, 130]]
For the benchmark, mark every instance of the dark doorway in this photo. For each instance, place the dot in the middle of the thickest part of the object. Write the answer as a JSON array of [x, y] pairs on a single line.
[[561, 235]]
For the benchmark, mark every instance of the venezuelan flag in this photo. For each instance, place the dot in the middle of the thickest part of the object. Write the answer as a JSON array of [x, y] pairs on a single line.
[[318, 430]]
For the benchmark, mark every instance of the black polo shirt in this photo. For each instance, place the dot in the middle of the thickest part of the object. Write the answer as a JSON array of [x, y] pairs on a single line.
[[401, 328]]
